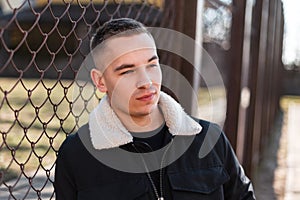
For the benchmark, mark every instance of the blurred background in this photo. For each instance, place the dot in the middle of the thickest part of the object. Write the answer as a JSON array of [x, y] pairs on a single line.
[[253, 45]]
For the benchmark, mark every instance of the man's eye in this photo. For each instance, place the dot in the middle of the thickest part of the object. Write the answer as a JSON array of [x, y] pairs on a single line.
[[153, 65], [126, 72]]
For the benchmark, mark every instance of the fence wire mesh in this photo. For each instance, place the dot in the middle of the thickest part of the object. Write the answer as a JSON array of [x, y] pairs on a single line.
[[42, 45]]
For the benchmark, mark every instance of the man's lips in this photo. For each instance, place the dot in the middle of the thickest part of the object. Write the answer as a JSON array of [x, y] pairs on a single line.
[[146, 97]]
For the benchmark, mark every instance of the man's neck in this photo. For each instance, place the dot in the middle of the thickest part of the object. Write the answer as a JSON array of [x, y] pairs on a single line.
[[143, 123]]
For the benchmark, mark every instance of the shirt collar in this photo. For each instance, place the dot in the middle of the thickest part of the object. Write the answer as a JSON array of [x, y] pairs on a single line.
[[107, 131]]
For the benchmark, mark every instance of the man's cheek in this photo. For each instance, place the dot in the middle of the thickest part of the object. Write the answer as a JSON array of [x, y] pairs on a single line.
[[127, 84], [122, 93], [157, 78]]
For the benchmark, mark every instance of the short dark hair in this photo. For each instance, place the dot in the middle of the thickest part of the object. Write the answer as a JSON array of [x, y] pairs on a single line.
[[115, 27]]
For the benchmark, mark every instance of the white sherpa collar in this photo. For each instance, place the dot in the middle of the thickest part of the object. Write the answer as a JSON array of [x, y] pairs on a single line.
[[107, 131]]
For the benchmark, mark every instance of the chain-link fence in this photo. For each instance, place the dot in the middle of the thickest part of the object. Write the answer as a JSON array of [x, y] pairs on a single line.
[[42, 45], [44, 42]]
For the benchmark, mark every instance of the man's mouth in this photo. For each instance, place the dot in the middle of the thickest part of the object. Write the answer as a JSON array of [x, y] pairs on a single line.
[[146, 97]]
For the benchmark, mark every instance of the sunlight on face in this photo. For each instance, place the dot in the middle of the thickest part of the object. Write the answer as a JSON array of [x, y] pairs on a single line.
[[132, 75]]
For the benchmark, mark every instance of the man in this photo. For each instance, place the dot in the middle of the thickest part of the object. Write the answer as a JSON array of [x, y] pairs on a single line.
[[139, 143]]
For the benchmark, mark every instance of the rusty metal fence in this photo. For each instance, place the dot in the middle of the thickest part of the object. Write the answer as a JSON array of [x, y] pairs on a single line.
[[42, 44]]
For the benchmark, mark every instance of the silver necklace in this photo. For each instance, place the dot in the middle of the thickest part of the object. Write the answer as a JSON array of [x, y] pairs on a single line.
[[159, 197]]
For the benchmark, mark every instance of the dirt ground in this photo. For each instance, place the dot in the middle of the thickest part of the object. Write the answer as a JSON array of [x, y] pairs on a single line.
[[269, 181]]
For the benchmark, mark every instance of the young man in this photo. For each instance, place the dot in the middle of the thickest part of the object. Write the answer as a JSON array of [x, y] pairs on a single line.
[[139, 143]]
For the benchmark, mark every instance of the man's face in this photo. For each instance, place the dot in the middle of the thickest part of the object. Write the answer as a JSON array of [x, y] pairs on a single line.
[[132, 76]]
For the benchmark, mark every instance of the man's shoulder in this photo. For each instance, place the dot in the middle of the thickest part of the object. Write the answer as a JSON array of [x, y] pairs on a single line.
[[72, 141], [211, 136], [207, 126]]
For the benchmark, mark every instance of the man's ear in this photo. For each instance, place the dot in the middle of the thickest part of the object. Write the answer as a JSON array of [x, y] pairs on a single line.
[[98, 80]]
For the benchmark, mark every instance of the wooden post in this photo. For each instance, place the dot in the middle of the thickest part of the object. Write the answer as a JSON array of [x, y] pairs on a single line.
[[278, 52], [260, 115], [185, 22], [235, 64], [251, 132]]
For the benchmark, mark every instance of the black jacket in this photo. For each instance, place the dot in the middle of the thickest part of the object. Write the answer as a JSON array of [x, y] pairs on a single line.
[[196, 174]]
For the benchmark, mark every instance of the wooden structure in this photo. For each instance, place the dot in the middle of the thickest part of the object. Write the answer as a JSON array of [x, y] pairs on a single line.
[[59, 31]]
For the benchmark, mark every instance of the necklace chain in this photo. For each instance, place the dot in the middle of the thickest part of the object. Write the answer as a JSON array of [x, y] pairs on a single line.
[[159, 197]]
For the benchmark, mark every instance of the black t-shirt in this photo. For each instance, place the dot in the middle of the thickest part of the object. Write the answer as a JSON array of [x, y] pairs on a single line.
[[155, 139]]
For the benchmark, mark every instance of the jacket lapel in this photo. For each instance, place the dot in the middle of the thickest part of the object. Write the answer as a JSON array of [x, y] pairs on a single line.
[[107, 131]]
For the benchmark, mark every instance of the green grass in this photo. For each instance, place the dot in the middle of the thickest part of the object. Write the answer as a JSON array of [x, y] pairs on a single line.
[[35, 118], [206, 96], [285, 101]]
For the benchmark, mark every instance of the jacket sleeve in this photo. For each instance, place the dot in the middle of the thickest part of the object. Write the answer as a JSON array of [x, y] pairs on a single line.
[[239, 187], [64, 184]]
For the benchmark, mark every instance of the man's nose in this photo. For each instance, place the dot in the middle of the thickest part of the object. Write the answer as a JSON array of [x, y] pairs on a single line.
[[144, 80]]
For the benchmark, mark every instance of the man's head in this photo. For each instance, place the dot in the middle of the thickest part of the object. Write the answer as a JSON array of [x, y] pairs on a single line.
[[117, 27], [127, 67]]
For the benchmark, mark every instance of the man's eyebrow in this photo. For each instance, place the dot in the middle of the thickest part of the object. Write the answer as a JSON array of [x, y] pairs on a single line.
[[153, 58], [125, 66]]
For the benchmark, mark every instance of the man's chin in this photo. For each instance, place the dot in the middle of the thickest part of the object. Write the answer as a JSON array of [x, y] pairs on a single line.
[[143, 112]]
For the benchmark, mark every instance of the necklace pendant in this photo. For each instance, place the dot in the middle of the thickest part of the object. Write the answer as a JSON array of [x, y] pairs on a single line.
[[160, 198]]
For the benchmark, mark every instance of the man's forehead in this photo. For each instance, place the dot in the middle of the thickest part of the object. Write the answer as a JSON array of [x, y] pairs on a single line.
[[111, 49], [132, 41]]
